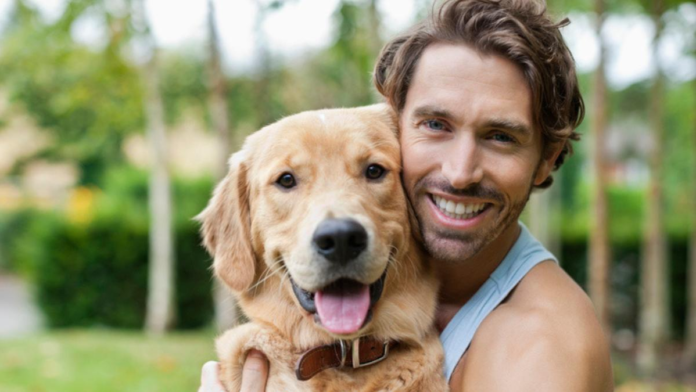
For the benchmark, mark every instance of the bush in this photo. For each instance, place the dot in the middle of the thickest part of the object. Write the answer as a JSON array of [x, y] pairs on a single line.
[[625, 279], [11, 224], [94, 272]]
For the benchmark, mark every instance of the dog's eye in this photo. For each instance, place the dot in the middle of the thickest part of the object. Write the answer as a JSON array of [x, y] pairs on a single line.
[[286, 180], [374, 172]]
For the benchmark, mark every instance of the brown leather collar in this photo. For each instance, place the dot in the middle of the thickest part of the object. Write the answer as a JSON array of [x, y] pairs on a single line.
[[357, 353]]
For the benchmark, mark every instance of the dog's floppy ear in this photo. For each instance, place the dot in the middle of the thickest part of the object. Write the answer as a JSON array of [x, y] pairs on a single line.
[[226, 228]]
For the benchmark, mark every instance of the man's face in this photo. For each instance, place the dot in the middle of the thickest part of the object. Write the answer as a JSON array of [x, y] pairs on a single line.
[[470, 151]]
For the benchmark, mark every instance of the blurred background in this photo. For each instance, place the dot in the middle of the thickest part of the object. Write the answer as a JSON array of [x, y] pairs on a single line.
[[110, 106]]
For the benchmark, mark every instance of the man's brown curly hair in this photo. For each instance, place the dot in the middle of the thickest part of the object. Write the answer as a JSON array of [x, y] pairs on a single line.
[[518, 30]]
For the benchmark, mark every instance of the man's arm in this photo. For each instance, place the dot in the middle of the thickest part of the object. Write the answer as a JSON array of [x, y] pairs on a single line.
[[545, 338], [537, 361]]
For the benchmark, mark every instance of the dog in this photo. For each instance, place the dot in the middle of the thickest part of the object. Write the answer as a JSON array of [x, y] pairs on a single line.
[[310, 229]]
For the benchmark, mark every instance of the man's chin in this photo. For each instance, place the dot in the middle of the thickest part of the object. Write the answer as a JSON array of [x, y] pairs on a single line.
[[452, 249]]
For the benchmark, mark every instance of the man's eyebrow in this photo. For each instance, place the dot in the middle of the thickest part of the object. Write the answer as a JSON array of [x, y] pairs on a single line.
[[508, 125], [432, 111]]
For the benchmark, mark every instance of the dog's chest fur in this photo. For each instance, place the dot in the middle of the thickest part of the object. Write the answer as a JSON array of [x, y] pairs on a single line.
[[413, 367]]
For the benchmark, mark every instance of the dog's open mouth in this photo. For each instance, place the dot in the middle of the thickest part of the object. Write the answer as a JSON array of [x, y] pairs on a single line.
[[344, 306]]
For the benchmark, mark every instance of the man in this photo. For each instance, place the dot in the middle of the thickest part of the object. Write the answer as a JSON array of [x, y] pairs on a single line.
[[488, 101]]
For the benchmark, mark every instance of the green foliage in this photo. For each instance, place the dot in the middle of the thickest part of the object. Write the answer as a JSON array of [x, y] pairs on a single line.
[[91, 100], [10, 225], [183, 85], [625, 279], [561, 7], [679, 160], [95, 272]]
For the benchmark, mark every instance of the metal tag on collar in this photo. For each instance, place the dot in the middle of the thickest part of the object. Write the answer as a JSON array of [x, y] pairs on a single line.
[[356, 354]]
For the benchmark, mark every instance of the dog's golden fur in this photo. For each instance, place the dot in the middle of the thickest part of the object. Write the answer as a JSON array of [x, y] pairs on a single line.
[[259, 234]]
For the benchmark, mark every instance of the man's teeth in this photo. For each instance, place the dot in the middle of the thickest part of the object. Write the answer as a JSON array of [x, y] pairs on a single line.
[[458, 210]]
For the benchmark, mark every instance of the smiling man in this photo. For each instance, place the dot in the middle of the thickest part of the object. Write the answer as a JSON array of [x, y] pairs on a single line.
[[487, 98], [488, 101]]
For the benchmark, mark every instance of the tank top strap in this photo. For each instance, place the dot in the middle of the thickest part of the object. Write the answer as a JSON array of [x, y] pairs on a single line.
[[526, 253]]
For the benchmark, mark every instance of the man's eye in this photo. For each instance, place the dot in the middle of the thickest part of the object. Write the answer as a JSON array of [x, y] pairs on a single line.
[[286, 180], [435, 125], [503, 137]]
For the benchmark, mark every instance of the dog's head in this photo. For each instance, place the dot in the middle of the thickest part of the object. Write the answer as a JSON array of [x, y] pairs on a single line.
[[312, 211]]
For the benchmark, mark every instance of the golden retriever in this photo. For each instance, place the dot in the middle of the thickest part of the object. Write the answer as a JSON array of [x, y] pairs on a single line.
[[310, 229]]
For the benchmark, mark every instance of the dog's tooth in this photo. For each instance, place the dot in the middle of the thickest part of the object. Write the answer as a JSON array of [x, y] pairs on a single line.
[[450, 206], [442, 204]]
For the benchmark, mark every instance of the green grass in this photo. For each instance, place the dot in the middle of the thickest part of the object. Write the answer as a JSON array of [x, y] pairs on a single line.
[[105, 361]]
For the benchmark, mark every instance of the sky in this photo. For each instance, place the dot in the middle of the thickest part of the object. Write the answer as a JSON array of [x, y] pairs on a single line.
[[303, 26]]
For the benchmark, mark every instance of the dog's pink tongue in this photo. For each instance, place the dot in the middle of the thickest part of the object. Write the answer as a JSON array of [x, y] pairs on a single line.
[[343, 307]]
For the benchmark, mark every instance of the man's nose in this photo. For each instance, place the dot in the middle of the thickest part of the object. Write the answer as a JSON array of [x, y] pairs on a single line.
[[461, 163]]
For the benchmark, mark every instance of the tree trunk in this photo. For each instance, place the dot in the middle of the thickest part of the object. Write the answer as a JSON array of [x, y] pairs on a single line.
[[374, 28], [599, 252], [225, 303], [263, 57], [160, 300], [543, 206], [375, 41], [690, 343], [653, 310]]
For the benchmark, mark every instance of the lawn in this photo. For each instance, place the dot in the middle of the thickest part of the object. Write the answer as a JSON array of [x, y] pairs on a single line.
[[105, 361]]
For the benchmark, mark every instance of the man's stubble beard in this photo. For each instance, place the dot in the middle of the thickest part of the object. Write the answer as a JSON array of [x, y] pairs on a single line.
[[467, 245]]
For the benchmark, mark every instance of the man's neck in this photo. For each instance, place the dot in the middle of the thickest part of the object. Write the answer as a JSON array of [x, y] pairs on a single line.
[[460, 281]]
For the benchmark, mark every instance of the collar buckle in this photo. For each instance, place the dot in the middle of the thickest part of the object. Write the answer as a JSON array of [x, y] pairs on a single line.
[[344, 352], [356, 354]]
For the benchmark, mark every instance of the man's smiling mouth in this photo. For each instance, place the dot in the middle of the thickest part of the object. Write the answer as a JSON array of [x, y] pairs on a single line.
[[344, 306], [457, 210]]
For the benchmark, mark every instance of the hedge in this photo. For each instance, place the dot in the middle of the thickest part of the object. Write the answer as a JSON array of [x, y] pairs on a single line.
[[93, 272]]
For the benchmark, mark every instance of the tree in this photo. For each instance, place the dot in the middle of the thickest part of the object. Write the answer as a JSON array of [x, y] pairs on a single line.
[[225, 306], [543, 206], [653, 314], [373, 27], [690, 338], [600, 253], [268, 72], [160, 314]]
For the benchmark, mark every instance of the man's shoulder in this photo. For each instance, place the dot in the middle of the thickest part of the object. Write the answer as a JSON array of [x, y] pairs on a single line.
[[546, 333], [546, 302]]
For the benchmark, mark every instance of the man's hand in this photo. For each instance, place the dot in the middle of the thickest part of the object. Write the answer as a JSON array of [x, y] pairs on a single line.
[[254, 374]]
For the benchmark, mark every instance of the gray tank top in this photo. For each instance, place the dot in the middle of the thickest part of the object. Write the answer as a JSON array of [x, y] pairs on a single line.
[[523, 256]]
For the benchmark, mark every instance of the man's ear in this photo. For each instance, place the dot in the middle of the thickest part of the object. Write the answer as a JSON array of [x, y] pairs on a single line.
[[226, 228], [548, 162]]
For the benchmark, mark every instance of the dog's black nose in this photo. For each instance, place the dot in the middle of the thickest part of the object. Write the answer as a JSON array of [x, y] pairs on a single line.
[[340, 240]]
